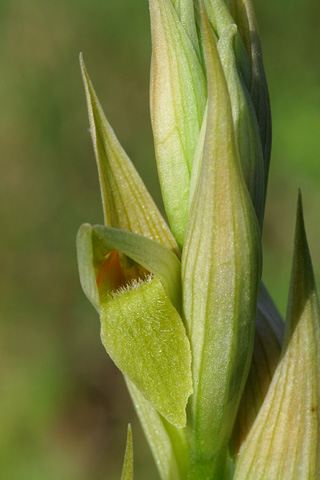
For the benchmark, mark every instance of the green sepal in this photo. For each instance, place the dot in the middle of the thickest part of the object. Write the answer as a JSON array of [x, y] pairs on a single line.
[[284, 440], [127, 203], [177, 103], [145, 337], [244, 16], [221, 268], [245, 123], [127, 469], [265, 358]]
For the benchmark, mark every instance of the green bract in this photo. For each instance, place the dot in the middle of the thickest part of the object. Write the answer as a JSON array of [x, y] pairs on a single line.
[[222, 387]]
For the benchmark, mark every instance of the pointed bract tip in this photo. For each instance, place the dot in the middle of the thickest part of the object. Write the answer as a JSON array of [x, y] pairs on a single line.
[[300, 227], [129, 434]]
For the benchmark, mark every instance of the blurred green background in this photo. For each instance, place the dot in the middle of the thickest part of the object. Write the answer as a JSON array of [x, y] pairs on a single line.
[[63, 405]]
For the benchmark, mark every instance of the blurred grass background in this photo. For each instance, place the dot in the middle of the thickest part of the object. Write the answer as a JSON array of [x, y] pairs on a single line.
[[63, 405]]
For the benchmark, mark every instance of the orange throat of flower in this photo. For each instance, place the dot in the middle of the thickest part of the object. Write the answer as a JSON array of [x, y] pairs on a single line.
[[113, 275]]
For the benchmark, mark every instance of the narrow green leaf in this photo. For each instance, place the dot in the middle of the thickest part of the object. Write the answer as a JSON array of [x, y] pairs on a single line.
[[126, 201], [127, 470], [220, 274], [145, 337], [265, 358], [167, 443], [284, 441], [245, 123], [244, 16], [178, 99], [153, 256]]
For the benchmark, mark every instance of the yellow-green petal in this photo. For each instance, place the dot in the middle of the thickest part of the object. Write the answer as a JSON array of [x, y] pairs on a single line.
[[284, 441]]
